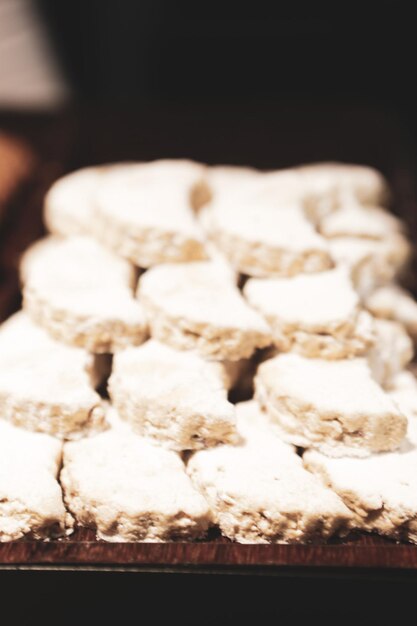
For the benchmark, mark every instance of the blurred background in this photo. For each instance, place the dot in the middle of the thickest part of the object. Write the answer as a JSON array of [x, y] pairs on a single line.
[[270, 84]]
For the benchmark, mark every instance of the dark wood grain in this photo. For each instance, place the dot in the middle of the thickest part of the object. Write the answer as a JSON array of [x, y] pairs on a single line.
[[84, 549], [72, 139]]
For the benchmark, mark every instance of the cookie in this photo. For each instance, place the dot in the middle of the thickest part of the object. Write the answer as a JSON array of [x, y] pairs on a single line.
[[334, 406], [30, 497], [222, 179], [353, 220], [379, 490], [145, 214], [371, 263], [365, 184], [45, 385], [391, 352], [195, 306], [69, 203], [320, 188], [130, 490], [82, 294], [403, 390], [175, 398], [316, 315], [260, 493], [263, 241], [392, 302]]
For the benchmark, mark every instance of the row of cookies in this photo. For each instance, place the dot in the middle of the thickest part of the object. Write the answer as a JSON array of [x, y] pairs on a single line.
[[177, 317], [367, 241], [259, 491], [184, 314]]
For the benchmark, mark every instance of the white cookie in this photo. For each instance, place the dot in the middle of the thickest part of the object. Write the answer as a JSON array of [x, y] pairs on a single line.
[[381, 490], [195, 306], [221, 179], [361, 182], [320, 188], [30, 496], [82, 294], [145, 214], [394, 303], [173, 397], [259, 491], [316, 315], [45, 385], [353, 220], [334, 406], [403, 390], [391, 352], [130, 490], [69, 203], [371, 263], [261, 240]]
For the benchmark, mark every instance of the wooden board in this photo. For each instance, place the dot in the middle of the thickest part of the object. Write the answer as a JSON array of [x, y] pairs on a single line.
[[83, 549], [66, 141]]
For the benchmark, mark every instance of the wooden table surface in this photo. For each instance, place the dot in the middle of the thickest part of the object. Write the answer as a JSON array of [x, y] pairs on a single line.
[[261, 135]]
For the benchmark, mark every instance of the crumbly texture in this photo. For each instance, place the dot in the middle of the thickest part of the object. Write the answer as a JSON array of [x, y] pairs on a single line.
[[261, 240], [175, 398], [354, 220], [129, 490], [82, 294], [371, 263], [30, 496], [391, 352], [44, 385], [145, 214], [381, 491], [195, 306], [334, 406], [316, 315], [260, 493], [394, 303]]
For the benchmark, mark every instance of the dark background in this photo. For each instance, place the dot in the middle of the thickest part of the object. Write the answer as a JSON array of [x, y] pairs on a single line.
[[160, 49], [240, 82]]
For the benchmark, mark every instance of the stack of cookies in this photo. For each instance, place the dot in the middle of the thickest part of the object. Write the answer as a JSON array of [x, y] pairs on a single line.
[[167, 289]]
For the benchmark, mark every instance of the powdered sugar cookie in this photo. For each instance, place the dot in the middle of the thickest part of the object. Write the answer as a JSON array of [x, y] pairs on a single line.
[[30, 497], [145, 214], [195, 306], [82, 294], [260, 493], [45, 385], [371, 263], [173, 397], [391, 352], [317, 315], [353, 220], [394, 303], [334, 406], [130, 490], [261, 240], [379, 490]]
